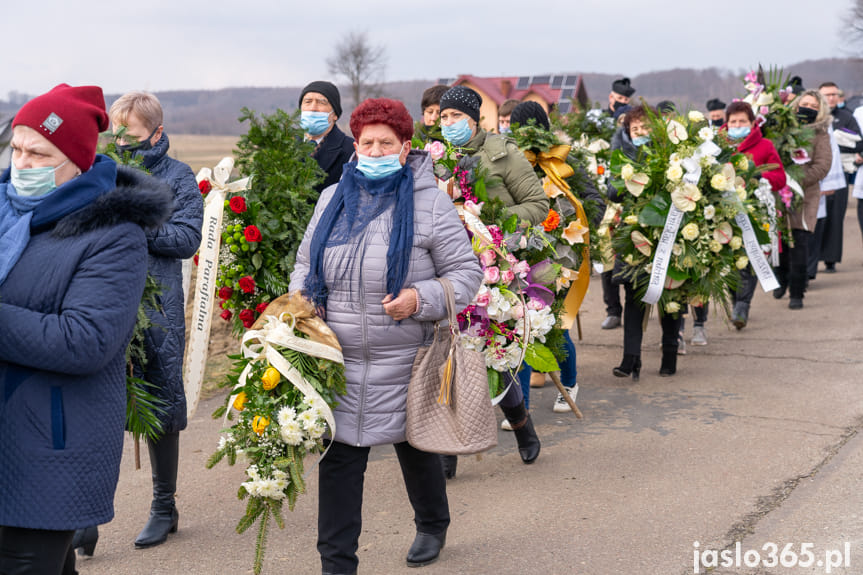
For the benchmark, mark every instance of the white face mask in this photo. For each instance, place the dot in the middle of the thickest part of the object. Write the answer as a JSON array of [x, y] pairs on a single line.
[[34, 182]]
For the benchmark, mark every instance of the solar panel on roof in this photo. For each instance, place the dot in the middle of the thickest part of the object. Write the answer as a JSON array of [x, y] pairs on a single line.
[[557, 82], [541, 80], [523, 83], [570, 81], [564, 107], [567, 93]]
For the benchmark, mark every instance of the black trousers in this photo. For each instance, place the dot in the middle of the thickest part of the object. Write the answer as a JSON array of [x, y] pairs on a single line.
[[792, 264], [860, 214], [831, 244], [633, 318], [814, 255], [340, 499], [36, 552], [746, 289], [700, 312], [611, 294]]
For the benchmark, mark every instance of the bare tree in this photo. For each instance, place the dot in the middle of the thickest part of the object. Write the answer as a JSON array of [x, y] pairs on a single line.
[[360, 63], [855, 15]]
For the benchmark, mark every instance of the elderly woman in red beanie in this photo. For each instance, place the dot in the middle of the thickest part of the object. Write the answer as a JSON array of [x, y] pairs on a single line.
[[369, 260], [73, 262]]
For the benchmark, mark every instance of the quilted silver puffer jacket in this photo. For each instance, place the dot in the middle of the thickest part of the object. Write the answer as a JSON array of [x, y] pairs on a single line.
[[378, 352]]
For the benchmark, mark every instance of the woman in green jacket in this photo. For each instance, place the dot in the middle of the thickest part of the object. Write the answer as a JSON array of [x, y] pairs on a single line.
[[511, 178]]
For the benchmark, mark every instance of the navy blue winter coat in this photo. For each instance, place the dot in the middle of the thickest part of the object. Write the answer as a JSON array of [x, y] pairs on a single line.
[[67, 309], [335, 151], [177, 239]]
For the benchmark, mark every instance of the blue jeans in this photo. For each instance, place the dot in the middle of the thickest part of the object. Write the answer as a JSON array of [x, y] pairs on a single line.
[[568, 370]]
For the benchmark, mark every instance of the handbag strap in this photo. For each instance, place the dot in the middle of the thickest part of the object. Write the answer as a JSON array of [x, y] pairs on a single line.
[[449, 297], [445, 395]]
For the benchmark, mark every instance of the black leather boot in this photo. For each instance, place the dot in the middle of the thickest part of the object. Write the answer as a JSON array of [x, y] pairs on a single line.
[[449, 462], [525, 434], [425, 549], [85, 540], [669, 361], [164, 458], [631, 365]]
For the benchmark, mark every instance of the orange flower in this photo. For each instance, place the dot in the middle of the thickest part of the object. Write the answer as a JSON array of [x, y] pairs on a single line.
[[551, 221], [240, 401], [600, 170]]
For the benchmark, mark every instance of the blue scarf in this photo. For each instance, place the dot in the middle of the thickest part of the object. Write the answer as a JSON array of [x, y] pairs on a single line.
[[347, 216], [21, 214]]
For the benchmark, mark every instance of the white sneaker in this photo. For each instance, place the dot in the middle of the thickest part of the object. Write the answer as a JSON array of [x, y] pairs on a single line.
[[505, 425], [560, 404], [699, 335], [681, 345]]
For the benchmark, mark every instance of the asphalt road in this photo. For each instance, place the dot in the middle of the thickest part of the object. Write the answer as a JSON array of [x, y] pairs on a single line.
[[756, 440]]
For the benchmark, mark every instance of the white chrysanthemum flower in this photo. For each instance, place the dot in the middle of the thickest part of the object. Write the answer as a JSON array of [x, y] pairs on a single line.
[[286, 415], [315, 431], [307, 418], [706, 134], [709, 212], [291, 433], [309, 401], [252, 472], [310, 444]]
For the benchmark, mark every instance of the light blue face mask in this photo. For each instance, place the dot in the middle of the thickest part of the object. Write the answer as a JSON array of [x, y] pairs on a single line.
[[639, 141], [840, 105], [315, 123], [34, 182], [739, 132], [380, 167], [504, 131], [457, 134]]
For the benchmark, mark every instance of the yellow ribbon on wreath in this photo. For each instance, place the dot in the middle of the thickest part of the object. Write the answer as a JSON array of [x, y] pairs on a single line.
[[553, 163]]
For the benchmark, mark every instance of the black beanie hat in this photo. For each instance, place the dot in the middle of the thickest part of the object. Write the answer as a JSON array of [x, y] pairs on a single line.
[[622, 86], [462, 99], [330, 92], [527, 110], [796, 85], [715, 104]]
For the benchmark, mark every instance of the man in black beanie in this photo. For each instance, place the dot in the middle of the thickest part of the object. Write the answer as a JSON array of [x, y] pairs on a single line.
[[621, 92], [716, 112], [321, 105]]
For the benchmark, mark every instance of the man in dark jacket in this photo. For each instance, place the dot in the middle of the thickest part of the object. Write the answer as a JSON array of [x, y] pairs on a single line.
[[621, 93], [716, 112], [177, 239], [845, 127], [321, 107]]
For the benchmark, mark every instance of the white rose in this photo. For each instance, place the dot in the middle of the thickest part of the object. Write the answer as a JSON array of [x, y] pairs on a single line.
[[627, 171], [709, 212], [672, 306], [719, 182], [690, 231], [696, 116], [741, 262], [674, 173], [736, 243]]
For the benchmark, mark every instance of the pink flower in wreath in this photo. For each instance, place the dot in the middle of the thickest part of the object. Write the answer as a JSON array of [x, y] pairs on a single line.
[[483, 298], [487, 258], [507, 277], [435, 149], [521, 269], [535, 304], [492, 274], [800, 156], [518, 311]]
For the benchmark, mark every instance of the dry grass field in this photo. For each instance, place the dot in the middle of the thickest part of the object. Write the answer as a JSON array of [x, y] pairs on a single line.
[[201, 151]]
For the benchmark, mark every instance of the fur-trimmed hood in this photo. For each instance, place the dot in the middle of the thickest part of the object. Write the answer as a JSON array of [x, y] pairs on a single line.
[[138, 198]]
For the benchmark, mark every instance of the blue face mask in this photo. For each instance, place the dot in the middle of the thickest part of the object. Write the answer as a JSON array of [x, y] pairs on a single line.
[[34, 182], [504, 131], [739, 133], [840, 105], [315, 123], [380, 167], [639, 141], [457, 134]]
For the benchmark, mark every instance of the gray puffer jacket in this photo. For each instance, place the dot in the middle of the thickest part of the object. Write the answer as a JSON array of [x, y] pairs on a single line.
[[378, 352]]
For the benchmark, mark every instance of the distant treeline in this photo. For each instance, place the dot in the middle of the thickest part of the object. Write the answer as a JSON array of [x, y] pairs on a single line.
[[215, 112]]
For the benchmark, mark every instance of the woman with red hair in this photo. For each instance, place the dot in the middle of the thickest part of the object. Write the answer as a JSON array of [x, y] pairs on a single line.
[[369, 261]]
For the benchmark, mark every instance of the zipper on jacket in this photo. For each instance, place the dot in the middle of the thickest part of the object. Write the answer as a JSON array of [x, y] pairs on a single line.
[[366, 358]]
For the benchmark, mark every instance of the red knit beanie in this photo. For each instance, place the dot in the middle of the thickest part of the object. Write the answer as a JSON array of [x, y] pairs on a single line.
[[70, 118]]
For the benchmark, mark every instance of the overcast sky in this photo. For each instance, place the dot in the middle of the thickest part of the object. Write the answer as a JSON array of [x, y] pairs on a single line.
[[205, 44]]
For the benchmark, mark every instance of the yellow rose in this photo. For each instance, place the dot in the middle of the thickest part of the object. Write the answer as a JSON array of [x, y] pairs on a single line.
[[715, 246], [741, 262], [718, 182], [271, 378], [674, 172], [696, 116], [687, 262], [631, 219], [672, 306], [259, 424], [736, 242], [627, 171], [240, 401], [741, 193], [743, 164], [690, 231]]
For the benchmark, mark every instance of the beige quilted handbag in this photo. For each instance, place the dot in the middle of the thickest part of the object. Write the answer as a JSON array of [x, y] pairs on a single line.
[[449, 409]]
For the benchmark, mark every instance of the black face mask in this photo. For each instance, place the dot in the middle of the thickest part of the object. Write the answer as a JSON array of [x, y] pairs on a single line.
[[617, 104], [806, 115], [141, 146], [717, 123]]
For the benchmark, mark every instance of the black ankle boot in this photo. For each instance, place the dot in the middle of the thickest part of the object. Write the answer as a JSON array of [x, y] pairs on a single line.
[[525, 434], [85, 540], [449, 462], [425, 549], [164, 458], [669, 361], [631, 365]]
